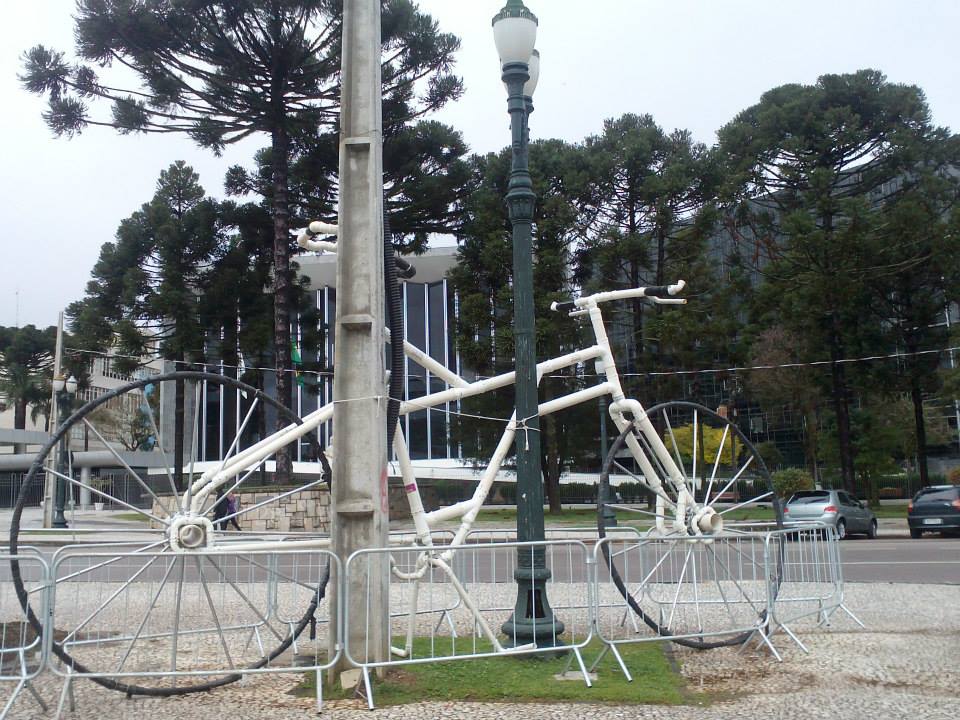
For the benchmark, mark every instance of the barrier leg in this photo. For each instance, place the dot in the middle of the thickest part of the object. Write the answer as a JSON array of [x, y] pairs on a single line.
[[583, 668], [13, 697], [367, 688], [36, 695], [793, 637]]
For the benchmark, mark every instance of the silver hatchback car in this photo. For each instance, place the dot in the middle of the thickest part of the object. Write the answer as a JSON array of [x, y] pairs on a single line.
[[833, 507]]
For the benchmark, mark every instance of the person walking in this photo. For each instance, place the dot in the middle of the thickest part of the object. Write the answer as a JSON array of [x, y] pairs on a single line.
[[220, 511], [233, 505]]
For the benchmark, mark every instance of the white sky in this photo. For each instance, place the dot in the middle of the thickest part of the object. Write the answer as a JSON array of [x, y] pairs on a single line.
[[690, 63]]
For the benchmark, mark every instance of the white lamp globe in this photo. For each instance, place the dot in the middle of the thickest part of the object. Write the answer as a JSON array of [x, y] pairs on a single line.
[[515, 32], [71, 385], [58, 383], [534, 65]]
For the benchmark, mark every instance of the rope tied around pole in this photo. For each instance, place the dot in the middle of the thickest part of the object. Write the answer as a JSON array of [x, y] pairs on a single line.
[[526, 429]]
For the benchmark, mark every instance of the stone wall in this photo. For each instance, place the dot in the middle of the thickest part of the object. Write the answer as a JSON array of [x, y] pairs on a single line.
[[306, 510]]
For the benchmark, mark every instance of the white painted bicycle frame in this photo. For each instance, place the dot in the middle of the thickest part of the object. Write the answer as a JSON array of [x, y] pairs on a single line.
[[623, 411], [688, 519]]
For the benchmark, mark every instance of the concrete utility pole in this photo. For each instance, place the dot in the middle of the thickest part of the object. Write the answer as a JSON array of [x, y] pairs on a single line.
[[360, 512]]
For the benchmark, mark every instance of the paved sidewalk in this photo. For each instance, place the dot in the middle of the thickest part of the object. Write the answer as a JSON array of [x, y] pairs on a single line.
[[903, 665]]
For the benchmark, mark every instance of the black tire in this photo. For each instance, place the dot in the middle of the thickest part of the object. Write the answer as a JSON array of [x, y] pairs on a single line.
[[605, 513], [872, 532], [915, 534], [842, 529], [36, 474]]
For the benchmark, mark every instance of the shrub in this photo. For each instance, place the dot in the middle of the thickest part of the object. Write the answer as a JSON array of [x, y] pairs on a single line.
[[890, 493], [787, 482], [772, 457], [953, 477]]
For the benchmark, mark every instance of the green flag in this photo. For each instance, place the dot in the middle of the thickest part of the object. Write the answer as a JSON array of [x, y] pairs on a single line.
[[297, 360]]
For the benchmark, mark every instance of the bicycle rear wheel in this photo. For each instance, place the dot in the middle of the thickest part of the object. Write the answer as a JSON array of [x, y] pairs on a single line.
[[151, 613]]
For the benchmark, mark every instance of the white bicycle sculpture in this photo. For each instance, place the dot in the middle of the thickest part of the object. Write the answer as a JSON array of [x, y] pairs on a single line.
[[696, 466]]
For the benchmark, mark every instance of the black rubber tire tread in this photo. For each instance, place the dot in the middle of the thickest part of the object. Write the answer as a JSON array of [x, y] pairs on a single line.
[[35, 470], [602, 490]]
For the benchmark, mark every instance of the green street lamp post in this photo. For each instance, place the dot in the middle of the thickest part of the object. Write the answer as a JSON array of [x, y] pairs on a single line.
[[65, 390], [515, 34]]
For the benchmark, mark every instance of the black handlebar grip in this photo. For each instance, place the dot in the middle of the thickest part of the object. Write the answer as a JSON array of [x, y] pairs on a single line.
[[660, 291], [404, 269]]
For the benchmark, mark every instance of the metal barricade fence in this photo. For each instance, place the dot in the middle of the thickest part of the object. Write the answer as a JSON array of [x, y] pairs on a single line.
[[439, 538], [424, 583], [703, 592], [22, 643], [805, 575], [157, 621]]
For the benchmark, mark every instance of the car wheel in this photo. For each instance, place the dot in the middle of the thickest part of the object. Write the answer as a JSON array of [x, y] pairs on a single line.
[[915, 533], [872, 532], [841, 529]]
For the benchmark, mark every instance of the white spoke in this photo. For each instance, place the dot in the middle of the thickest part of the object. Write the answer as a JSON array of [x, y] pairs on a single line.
[[676, 595], [244, 598], [673, 440], [758, 498], [110, 599], [260, 504], [118, 501], [713, 475], [146, 616], [732, 480], [213, 612], [159, 444], [129, 469]]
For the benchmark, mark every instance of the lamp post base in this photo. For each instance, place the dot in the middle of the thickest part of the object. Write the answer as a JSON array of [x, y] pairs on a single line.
[[533, 621]]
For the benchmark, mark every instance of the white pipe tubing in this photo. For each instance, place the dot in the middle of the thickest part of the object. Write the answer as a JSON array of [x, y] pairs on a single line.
[[498, 381], [258, 452], [306, 243], [575, 398], [486, 482], [411, 489], [607, 364], [322, 228], [483, 487], [428, 363], [656, 444], [611, 295]]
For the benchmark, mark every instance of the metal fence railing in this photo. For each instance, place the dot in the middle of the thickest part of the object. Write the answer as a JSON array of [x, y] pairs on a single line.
[[22, 639], [482, 577], [161, 623], [132, 618]]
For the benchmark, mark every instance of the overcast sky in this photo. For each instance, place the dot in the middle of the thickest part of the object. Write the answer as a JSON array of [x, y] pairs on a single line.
[[690, 63]]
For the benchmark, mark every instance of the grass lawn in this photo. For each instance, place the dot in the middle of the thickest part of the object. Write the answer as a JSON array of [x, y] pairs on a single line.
[[587, 517], [130, 517], [526, 679]]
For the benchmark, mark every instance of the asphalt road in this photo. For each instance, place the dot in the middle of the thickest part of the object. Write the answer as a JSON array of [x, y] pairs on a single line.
[[930, 559]]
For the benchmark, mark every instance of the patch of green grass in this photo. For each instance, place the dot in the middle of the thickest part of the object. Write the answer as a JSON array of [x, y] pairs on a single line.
[[580, 517], [524, 679], [130, 517], [587, 517]]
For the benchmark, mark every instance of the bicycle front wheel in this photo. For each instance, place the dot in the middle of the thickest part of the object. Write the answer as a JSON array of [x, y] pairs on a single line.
[[701, 589]]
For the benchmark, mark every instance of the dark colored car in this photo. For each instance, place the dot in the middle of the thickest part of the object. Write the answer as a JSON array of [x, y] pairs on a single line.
[[934, 509]]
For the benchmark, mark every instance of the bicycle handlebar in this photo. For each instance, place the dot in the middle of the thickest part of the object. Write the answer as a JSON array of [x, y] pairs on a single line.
[[405, 270], [660, 294]]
